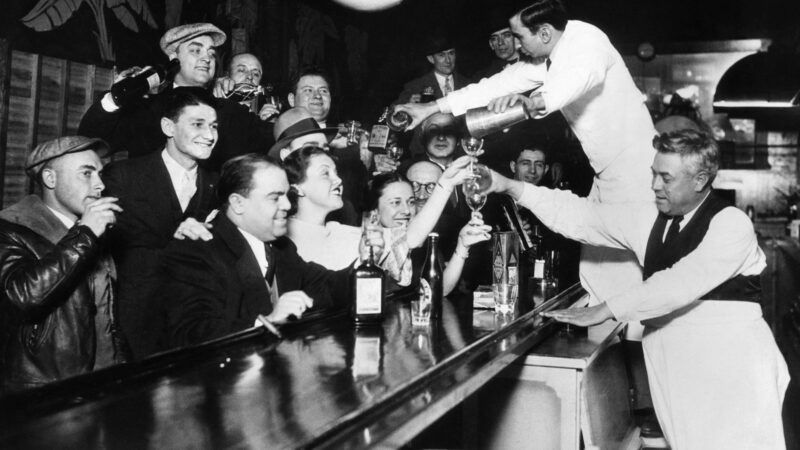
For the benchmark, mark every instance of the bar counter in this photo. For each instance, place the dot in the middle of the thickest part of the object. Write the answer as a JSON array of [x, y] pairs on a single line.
[[324, 385]]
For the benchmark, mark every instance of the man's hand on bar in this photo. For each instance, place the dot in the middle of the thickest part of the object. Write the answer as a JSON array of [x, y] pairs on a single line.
[[582, 317]]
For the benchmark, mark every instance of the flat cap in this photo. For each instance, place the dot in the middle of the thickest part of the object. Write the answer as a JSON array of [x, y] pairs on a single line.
[[59, 147], [178, 35]]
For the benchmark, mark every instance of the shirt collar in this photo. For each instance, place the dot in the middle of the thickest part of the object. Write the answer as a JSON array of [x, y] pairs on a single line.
[[63, 218], [554, 52], [688, 216], [176, 171], [257, 246], [441, 78]]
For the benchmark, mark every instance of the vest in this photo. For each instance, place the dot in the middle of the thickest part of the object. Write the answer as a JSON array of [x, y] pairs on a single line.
[[657, 257]]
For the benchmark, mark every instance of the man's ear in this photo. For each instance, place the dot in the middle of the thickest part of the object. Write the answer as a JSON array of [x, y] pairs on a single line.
[[546, 169], [430, 58], [49, 178], [701, 180], [168, 127], [290, 98], [513, 166], [236, 203], [546, 33]]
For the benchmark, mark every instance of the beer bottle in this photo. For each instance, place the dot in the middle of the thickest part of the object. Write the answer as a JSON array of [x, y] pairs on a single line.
[[129, 89], [430, 282], [369, 302], [539, 254]]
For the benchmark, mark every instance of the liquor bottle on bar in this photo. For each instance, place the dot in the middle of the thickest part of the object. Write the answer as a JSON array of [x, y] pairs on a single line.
[[539, 254], [369, 301], [430, 282], [130, 89]]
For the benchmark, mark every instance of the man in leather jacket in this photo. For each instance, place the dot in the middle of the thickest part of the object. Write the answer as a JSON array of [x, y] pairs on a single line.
[[57, 295]]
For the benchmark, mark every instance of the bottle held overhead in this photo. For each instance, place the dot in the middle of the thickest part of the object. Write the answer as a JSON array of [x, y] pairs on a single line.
[[127, 90]]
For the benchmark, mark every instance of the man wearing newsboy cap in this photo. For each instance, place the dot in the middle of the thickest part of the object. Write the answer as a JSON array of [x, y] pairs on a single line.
[[57, 283], [135, 128]]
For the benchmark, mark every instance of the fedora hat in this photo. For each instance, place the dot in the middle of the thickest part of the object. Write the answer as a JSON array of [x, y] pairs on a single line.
[[294, 123]]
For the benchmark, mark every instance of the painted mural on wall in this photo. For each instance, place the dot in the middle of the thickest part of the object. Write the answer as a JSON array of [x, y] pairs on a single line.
[[48, 15]]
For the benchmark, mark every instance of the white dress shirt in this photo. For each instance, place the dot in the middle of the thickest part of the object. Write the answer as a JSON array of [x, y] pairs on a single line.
[[183, 181], [442, 80], [588, 82], [729, 248], [257, 246]]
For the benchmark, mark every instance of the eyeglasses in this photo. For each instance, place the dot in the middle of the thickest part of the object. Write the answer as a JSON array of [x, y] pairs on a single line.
[[497, 38], [429, 187]]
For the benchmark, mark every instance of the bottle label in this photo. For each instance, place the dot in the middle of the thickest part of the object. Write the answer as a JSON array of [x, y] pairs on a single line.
[[512, 274], [153, 81], [538, 268], [368, 295], [425, 291], [379, 136]]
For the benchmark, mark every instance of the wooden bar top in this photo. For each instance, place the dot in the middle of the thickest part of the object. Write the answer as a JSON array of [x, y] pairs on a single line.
[[324, 385]]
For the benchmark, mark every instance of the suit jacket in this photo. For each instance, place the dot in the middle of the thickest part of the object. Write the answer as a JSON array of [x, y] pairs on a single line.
[[137, 129], [151, 214], [417, 85], [215, 288]]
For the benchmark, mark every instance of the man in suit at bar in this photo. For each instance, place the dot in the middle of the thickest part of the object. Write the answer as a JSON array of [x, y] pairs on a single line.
[[249, 268], [164, 195], [716, 375], [442, 79]]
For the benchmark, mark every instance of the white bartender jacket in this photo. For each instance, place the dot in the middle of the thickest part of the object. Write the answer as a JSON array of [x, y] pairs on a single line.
[[591, 86]]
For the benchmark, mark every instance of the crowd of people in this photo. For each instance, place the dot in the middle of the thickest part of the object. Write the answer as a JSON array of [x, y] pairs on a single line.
[[223, 217]]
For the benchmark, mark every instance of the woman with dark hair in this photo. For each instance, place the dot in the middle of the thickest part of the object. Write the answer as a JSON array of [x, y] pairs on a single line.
[[316, 190], [391, 201]]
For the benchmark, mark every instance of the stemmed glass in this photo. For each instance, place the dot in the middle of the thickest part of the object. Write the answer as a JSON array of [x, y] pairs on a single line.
[[472, 147], [475, 194]]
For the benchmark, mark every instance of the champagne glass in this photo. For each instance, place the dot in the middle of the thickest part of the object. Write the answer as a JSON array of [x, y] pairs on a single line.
[[474, 194], [472, 147]]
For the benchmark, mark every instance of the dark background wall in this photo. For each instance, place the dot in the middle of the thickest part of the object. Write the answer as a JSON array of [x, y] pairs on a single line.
[[371, 54]]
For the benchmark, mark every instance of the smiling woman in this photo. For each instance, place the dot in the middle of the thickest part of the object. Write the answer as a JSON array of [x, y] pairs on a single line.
[[316, 190]]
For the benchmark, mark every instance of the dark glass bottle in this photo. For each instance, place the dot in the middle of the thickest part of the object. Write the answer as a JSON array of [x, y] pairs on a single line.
[[368, 284], [539, 253], [129, 89], [427, 95], [397, 121], [430, 282]]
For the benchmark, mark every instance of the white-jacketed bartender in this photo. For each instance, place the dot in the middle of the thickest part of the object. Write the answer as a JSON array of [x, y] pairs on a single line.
[[574, 69], [717, 377]]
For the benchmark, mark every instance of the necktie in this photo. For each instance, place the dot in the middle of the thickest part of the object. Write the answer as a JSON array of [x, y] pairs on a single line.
[[674, 229], [269, 275], [448, 87], [186, 191]]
